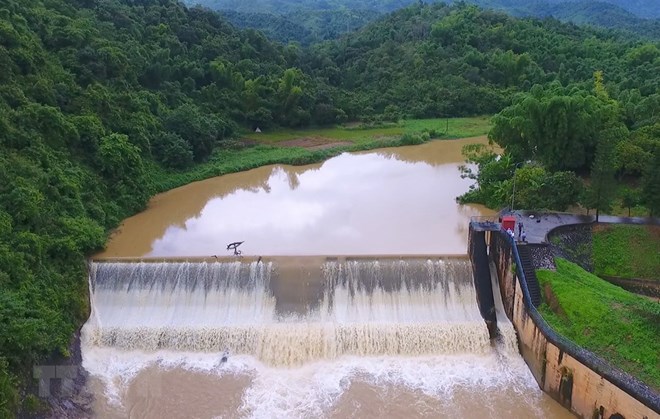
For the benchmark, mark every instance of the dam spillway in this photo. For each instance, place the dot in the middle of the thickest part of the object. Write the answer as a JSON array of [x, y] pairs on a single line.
[[153, 343], [289, 311]]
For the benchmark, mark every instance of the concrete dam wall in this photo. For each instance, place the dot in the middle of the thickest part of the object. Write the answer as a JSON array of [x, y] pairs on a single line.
[[582, 382]]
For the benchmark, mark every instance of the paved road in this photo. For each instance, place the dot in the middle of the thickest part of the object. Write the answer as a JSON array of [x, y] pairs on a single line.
[[538, 227]]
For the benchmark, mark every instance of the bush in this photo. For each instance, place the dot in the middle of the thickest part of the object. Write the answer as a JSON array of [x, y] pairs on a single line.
[[414, 139], [8, 393], [173, 151]]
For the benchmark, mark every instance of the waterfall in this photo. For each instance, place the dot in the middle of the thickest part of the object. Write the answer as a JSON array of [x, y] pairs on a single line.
[[287, 314]]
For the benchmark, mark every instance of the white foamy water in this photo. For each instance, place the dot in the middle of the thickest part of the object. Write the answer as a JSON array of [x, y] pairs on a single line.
[[316, 389], [359, 308], [345, 338]]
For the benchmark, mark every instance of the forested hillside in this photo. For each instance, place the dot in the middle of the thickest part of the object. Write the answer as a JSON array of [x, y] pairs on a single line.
[[647, 9], [94, 95], [598, 13], [97, 99], [316, 20], [436, 60], [283, 7], [303, 26]]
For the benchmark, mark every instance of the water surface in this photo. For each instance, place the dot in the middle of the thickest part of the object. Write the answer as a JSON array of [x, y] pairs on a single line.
[[308, 337], [389, 201]]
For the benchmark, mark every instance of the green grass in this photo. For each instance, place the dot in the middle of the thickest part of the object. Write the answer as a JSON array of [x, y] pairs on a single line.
[[226, 161], [458, 128], [619, 326], [627, 251]]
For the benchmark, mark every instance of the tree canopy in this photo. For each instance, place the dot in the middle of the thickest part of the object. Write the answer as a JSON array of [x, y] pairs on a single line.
[[98, 98]]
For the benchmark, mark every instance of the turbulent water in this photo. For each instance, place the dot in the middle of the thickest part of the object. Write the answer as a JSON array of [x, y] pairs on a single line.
[[306, 338], [354, 308]]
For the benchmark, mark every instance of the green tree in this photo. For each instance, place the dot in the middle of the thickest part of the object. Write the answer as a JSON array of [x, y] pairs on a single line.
[[538, 189], [290, 92], [173, 151], [122, 165], [9, 398], [630, 198], [601, 191], [551, 126], [493, 177], [651, 185], [200, 130]]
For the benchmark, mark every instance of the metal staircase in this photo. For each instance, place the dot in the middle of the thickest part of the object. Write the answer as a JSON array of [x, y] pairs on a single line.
[[530, 274]]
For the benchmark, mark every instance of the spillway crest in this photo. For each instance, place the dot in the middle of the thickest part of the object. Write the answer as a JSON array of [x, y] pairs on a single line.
[[288, 313]]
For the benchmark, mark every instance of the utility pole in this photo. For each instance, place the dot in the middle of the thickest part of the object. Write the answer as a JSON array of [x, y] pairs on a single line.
[[513, 194]]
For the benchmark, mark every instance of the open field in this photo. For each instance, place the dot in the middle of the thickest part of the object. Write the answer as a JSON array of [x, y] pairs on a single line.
[[627, 251], [458, 128], [617, 325]]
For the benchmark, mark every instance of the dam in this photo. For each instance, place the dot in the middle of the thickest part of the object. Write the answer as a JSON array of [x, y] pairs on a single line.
[[331, 336], [350, 300], [354, 307]]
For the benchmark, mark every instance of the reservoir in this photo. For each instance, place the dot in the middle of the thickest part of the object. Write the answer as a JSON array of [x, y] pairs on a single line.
[[353, 298], [390, 201]]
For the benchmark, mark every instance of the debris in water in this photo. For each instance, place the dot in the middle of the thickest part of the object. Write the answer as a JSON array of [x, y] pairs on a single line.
[[234, 246]]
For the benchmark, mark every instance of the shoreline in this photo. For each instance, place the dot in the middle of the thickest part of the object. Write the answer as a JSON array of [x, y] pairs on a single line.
[[78, 403], [229, 161], [71, 400]]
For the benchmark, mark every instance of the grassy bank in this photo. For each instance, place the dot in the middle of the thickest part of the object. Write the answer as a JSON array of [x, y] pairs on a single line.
[[619, 326], [225, 161], [443, 128], [627, 251]]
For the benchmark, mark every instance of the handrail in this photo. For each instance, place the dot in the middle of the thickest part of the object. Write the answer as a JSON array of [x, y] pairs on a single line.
[[485, 218], [628, 383]]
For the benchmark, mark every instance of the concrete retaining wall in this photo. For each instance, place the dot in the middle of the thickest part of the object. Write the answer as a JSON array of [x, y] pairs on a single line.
[[478, 252], [576, 378]]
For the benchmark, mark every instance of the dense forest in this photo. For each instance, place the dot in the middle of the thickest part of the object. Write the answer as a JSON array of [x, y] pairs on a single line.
[[647, 9], [312, 21], [94, 96], [453, 61], [303, 26], [98, 99]]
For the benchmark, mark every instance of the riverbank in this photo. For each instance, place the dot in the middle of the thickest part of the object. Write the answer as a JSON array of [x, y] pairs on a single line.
[[444, 128], [627, 251], [241, 157], [615, 324], [286, 147]]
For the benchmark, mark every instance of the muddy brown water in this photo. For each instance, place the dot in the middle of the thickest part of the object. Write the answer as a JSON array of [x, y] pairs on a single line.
[[390, 201], [363, 337]]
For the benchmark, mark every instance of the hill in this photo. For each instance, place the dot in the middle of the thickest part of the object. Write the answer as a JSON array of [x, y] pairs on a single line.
[[283, 7], [303, 26], [595, 13], [315, 20], [98, 99], [644, 9], [101, 101], [438, 60]]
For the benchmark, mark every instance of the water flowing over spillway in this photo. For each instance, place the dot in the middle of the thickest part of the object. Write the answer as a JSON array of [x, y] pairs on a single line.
[[306, 336], [349, 307]]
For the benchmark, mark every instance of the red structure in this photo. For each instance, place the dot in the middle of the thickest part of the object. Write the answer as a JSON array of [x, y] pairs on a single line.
[[509, 222]]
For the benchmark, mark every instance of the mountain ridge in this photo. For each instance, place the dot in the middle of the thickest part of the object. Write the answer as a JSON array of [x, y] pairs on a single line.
[[640, 18]]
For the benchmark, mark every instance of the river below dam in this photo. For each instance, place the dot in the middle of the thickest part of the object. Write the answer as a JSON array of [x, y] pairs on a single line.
[[353, 299]]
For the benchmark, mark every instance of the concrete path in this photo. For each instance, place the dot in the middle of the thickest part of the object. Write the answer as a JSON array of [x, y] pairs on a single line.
[[541, 223]]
